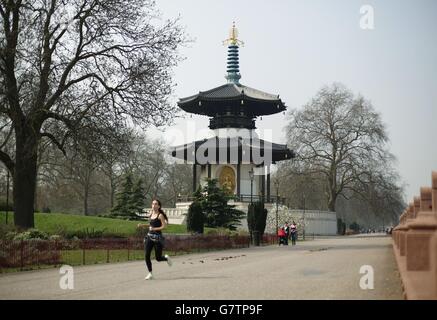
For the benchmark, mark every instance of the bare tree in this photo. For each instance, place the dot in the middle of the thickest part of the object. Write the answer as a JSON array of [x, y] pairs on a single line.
[[339, 137], [300, 188], [63, 62], [383, 193], [178, 180], [97, 146], [149, 161]]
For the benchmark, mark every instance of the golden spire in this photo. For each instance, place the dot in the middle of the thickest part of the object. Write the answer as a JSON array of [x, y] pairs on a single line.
[[233, 34]]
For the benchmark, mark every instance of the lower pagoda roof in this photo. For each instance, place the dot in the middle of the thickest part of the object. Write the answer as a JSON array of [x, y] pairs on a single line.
[[218, 150], [233, 98]]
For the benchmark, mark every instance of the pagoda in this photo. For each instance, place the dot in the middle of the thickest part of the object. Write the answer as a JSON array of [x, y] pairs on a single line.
[[235, 155]]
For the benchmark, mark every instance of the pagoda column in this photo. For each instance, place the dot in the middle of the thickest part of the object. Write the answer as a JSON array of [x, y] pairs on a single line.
[[194, 177], [262, 185], [268, 185], [238, 180]]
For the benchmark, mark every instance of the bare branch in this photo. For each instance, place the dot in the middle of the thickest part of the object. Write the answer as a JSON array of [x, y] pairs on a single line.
[[52, 138], [4, 157]]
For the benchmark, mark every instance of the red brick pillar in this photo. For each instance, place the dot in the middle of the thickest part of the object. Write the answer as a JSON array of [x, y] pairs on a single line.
[[398, 230], [425, 199], [434, 192], [411, 207], [403, 228], [420, 231], [416, 207], [409, 214], [434, 239], [434, 263], [408, 217], [394, 236]]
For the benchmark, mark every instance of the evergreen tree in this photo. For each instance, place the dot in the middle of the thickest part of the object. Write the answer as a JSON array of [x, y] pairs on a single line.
[[136, 204], [123, 199], [214, 203], [195, 217], [256, 221]]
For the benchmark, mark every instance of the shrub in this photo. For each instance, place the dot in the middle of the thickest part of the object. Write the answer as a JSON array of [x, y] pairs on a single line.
[[61, 231], [221, 232], [341, 227], [355, 227], [55, 237], [85, 234], [6, 230], [10, 235], [242, 233], [46, 210], [195, 218], [31, 234], [256, 218]]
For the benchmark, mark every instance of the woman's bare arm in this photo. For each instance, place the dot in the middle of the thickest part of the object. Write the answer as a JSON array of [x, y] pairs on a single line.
[[163, 224]]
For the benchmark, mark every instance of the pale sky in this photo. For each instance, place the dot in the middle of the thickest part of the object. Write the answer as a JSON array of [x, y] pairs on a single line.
[[293, 48]]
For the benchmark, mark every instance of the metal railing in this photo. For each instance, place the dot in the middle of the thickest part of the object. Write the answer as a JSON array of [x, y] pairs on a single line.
[[34, 253], [23, 253], [239, 198]]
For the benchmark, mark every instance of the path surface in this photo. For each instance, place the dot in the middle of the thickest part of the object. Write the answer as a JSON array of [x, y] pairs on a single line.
[[324, 268]]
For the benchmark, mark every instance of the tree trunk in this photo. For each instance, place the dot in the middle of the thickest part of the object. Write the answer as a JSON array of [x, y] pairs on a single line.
[[25, 176], [85, 202], [332, 198], [111, 179], [331, 203], [332, 181], [86, 193]]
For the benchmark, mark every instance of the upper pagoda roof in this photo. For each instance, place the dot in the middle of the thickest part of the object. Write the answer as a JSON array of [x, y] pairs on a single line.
[[247, 99]]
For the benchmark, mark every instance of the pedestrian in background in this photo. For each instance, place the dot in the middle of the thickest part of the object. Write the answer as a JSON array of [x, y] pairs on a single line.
[[293, 233], [281, 235], [287, 232]]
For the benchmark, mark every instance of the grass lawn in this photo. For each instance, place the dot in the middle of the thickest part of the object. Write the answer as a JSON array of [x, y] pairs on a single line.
[[54, 223]]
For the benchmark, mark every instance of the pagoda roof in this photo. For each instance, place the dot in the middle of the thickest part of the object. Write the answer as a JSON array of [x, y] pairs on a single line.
[[235, 146], [234, 95]]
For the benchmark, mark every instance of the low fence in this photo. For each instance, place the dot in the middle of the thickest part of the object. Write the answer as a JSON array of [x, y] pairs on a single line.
[[415, 245], [25, 253]]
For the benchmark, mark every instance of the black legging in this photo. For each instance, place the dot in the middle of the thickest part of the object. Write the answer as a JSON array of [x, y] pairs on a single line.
[[293, 238], [148, 246]]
